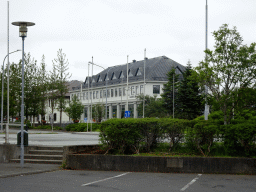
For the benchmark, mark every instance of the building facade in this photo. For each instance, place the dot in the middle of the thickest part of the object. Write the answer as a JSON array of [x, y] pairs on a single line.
[[110, 89]]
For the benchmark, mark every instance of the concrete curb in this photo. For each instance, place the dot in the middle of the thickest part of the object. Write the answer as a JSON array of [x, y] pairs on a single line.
[[86, 133], [27, 173]]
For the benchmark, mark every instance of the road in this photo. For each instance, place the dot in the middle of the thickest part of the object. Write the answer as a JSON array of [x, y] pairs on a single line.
[[57, 138], [100, 181]]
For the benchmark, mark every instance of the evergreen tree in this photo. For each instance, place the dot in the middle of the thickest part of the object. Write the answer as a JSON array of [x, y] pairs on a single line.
[[173, 79], [153, 107], [189, 96]]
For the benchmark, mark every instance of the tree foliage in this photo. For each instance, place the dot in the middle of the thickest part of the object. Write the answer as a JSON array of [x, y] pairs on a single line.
[[153, 107], [189, 98], [75, 109], [173, 79], [229, 66], [61, 66]]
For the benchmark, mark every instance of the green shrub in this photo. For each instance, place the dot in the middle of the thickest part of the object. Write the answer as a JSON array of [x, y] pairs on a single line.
[[82, 127], [174, 128], [201, 136]]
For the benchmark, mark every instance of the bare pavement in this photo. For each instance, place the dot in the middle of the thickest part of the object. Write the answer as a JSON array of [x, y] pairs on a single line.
[[49, 177]]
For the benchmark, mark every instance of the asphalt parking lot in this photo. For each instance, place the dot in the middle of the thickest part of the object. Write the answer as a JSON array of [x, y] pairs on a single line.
[[102, 181]]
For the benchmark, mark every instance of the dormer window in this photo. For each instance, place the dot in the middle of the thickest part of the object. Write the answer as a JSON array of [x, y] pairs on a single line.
[[121, 75], [99, 79], [130, 73], [106, 77], [138, 72], [113, 76], [93, 80]]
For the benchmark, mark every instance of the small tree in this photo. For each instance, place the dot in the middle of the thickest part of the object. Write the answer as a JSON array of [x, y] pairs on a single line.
[[61, 65], [75, 109], [98, 112]]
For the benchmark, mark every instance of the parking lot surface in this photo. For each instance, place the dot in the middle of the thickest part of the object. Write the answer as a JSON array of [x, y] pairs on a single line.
[[101, 181]]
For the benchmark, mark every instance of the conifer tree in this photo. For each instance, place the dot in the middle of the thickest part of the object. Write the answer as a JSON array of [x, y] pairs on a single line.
[[189, 96]]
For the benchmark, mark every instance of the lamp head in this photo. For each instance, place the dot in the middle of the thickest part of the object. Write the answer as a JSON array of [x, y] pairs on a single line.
[[23, 27]]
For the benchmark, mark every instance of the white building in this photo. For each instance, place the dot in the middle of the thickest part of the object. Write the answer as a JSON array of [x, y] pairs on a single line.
[[115, 80], [56, 114]]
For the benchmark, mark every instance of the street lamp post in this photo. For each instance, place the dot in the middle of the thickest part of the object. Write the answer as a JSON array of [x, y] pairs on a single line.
[[106, 84], [23, 33], [3, 90]]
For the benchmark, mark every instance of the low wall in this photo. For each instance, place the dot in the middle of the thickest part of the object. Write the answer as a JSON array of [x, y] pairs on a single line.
[[161, 164], [76, 149], [11, 151]]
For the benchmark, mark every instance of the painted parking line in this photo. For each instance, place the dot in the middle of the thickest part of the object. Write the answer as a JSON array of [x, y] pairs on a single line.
[[191, 182], [105, 179]]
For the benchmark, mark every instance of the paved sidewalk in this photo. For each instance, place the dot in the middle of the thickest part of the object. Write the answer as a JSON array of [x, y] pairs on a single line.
[[14, 169]]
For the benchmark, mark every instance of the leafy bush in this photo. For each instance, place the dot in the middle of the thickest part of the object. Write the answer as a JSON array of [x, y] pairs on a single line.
[[201, 136], [130, 135], [48, 127], [174, 128], [82, 127]]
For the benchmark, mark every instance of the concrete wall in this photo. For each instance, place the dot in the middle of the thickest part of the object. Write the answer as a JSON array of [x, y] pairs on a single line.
[[76, 149], [10, 151], [162, 164]]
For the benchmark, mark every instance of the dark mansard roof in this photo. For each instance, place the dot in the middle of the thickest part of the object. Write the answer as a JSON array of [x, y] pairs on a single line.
[[156, 69]]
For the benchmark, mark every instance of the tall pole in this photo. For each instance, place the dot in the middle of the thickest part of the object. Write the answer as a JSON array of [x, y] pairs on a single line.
[[92, 95], [2, 103], [22, 108], [144, 83], [3, 90], [88, 111], [126, 107], [8, 69], [206, 110], [173, 95]]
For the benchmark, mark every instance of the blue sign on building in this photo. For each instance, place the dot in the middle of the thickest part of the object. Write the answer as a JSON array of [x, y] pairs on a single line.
[[127, 114], [85, 120]]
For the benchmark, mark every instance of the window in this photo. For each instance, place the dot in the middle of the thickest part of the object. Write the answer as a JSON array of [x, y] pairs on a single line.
[[86, 95], [97, 95], [113, 76], [115, 92], [83, 95], [112, 92], [93, 94], [108, 93], [156, 89], [137, 90], [138, 73], [120, 92], [104, 93], [141, 89], [130, 73], [106, 78], [121, 75], [101, 94], [123, 91], [99, 79], [90, 95], [132, 90], [54, 117]]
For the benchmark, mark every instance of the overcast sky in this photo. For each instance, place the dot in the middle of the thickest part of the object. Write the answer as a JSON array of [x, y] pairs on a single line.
[[109, 30]]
